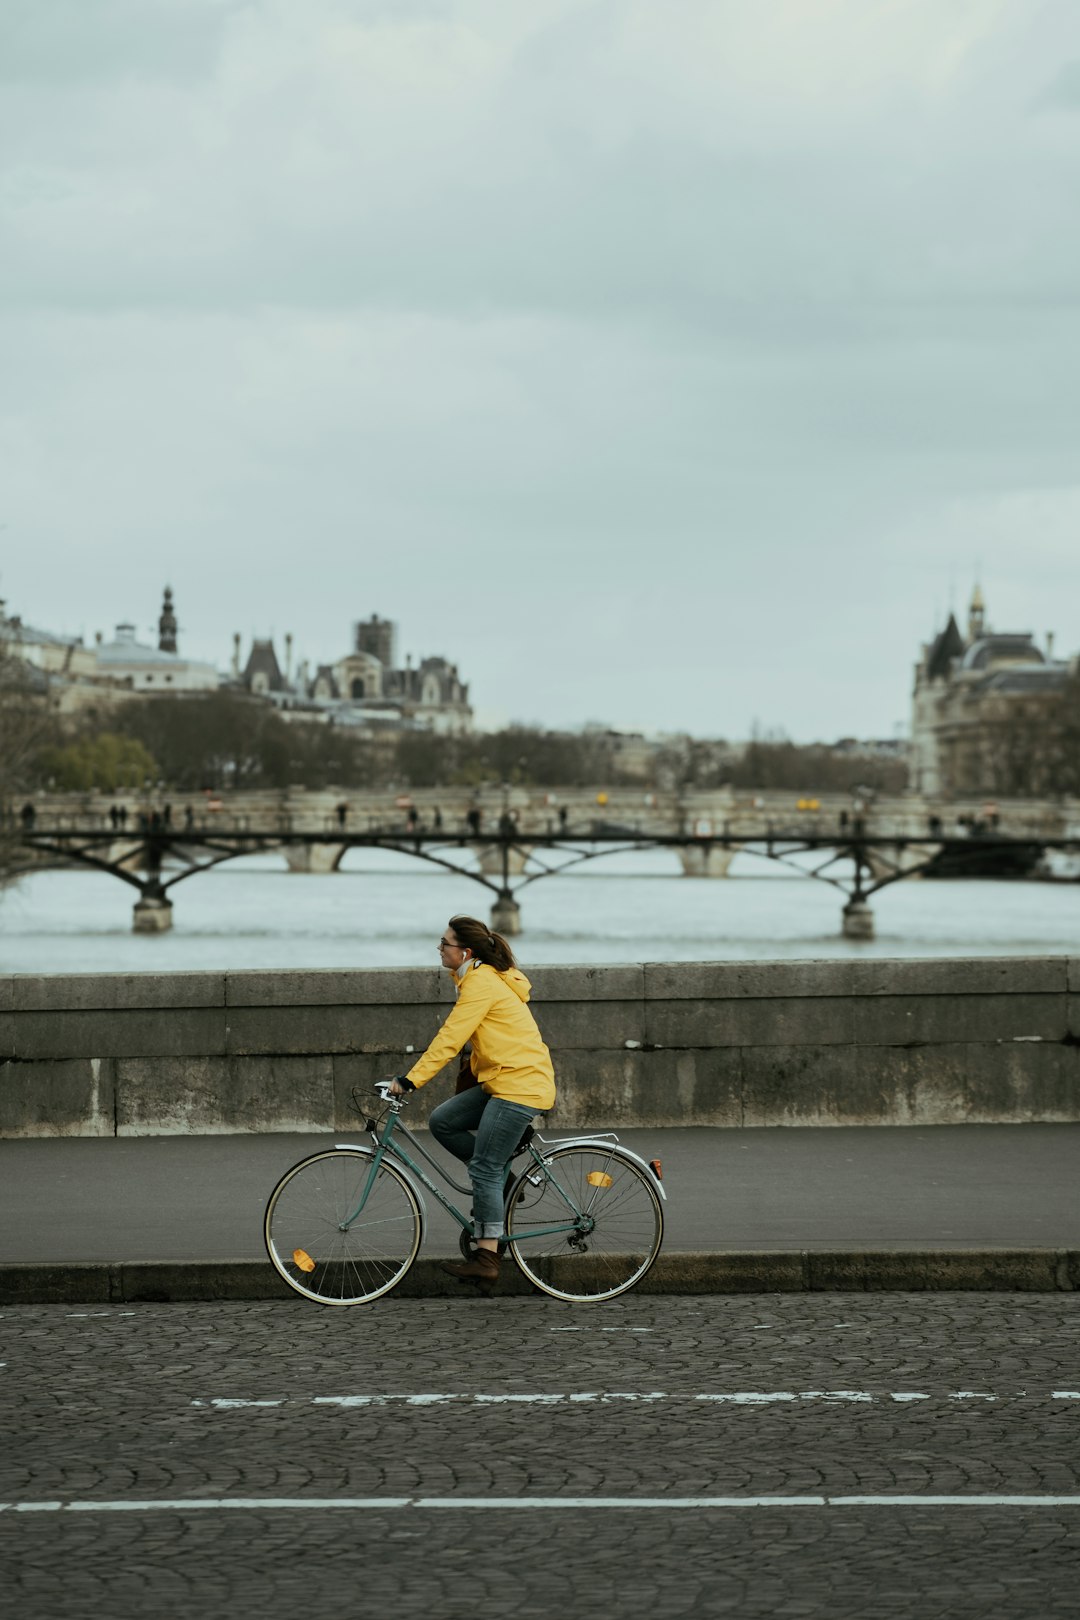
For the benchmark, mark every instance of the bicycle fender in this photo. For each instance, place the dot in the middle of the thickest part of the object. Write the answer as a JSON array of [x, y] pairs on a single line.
[[617, 1151], [357, 1147]]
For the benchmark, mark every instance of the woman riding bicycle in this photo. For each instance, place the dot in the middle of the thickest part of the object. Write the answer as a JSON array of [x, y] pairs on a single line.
[[510, 1068]]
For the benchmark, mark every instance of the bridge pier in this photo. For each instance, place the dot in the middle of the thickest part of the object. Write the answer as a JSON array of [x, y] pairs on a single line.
[[706, 860], [857, 920], [152, 915], [314, 857], [506, 914]]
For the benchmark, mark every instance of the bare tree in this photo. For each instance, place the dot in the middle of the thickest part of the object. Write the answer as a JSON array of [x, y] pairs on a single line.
[[26, 725]]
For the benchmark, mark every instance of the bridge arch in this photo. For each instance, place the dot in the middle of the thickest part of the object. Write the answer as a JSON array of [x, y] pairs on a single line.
[[858, 867]]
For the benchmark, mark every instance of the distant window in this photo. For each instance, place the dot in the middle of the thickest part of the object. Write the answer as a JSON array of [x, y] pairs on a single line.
[[149, 678], [357, 688], [168, 677]]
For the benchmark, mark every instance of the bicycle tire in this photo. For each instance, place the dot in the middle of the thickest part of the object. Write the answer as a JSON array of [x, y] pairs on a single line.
[[623, 1203], [304, 1239]]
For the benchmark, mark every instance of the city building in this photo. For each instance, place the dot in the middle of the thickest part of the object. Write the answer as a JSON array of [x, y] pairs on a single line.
[[77, 677], [966, 686], [48, 654], [365, 688], [136, 667]]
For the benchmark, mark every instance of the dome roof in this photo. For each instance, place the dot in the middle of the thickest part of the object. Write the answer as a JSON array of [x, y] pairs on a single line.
[[126, 650], [1002, 649]]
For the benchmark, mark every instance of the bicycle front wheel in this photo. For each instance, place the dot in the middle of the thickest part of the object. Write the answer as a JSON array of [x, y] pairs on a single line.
[[323, 1254], [615, 1218]]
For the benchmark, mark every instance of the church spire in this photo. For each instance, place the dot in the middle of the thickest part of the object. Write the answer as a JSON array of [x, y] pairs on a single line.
[[167, 624], [977, 615]]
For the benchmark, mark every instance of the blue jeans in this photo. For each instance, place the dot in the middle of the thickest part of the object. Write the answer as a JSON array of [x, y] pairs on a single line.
[[498, 1126]]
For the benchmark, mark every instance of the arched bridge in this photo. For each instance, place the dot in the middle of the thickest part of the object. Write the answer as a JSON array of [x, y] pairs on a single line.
[[154, 859]]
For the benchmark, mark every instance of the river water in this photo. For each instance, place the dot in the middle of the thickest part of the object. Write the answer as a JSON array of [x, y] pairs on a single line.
[[385, 910]]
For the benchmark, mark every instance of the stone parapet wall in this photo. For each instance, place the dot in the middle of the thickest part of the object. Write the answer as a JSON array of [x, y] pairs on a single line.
[[903, 1042]]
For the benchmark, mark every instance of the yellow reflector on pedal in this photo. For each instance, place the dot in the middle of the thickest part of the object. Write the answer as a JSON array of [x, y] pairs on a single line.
[[303, 1260], [598, 1178]]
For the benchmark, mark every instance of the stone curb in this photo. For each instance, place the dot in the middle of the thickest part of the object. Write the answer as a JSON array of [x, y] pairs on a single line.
[[746, 1272]]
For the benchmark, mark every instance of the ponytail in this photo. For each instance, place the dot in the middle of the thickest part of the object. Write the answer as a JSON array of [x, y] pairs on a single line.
[[485, 945]]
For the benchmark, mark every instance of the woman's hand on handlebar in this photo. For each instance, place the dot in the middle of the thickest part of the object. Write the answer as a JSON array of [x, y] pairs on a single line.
[[399, 1086]]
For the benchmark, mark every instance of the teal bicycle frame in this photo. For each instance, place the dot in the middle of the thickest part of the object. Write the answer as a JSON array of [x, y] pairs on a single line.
[[387, 1148]]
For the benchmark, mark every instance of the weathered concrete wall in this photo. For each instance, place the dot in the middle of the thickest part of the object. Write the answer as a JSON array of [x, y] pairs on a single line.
[[717, 1043]]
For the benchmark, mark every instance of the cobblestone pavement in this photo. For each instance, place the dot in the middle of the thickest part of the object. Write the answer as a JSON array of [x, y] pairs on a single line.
[[871, 1395]]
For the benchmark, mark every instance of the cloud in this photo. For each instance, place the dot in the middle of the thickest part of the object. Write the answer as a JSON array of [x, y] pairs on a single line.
[[1063, 90], [70, 42], [673, 336]]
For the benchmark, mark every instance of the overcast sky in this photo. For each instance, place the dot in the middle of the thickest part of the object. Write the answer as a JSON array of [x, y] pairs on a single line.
[[675, 365]]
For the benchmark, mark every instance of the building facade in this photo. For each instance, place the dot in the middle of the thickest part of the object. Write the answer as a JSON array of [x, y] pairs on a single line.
[[78, 677], [365, 688], [133, 665], [967, 690]]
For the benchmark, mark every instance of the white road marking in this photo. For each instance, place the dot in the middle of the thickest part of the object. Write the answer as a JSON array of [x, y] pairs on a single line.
[[222, 1403], [488, 1504], [204, 1503], [954, 1501]]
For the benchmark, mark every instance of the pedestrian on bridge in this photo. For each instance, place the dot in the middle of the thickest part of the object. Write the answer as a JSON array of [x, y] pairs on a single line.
[[509, 1078]]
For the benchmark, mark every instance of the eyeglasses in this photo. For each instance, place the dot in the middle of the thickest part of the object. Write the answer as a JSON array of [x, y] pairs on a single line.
[[449, 945]]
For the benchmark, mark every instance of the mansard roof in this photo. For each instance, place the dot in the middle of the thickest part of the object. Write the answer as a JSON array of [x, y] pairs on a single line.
[[1006, 648], [262, 660], [13, 630]]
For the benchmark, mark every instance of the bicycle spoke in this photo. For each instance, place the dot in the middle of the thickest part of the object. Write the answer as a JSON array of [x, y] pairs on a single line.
[[304, 1227], [619, 1224]]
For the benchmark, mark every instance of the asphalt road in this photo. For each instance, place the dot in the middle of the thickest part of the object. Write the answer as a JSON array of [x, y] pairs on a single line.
[[515, 1457], [946, 1186]]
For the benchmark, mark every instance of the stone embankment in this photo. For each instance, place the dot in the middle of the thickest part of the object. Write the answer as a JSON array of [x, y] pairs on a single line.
[[725, 1044]]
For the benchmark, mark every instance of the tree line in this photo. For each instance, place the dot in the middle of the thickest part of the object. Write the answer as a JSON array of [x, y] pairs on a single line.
[[226, 739], [219, 740]]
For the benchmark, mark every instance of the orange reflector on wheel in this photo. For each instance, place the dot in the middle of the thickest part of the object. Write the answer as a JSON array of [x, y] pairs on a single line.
[[657, 1169], [598, 1178], [303, 1260]]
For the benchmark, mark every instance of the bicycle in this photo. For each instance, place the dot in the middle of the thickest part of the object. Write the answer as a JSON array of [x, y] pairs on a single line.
[[584, 1215]]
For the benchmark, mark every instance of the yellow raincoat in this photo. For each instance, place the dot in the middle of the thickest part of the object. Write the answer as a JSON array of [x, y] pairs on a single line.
[[509, 1059]]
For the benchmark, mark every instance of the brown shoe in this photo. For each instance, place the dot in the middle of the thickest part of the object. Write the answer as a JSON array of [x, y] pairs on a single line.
[[483, 1268]]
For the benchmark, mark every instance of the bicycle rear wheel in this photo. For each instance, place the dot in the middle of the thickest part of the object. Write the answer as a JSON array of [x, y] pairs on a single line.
[[305, 1239], [618, 1232]]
